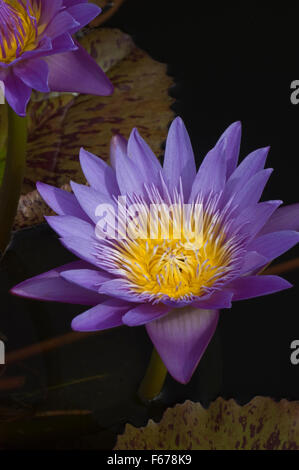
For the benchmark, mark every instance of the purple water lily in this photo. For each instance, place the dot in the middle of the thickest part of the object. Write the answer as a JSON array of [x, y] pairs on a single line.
[[37, 50], [175, 286]]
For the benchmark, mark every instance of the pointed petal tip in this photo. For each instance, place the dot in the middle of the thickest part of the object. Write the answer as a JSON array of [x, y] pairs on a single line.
[[234, 127], [39, 185], [181, 339], [82, 151], [18, 290], [86, 155], [74, 325], [118, 140], [42, 188], [178, 121], [78, 325], [74, 185], [134, 131], [134, 134], [108, 90], [15, 291]]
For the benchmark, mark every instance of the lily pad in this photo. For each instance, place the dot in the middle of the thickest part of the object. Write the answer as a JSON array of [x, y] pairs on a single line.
[[60, 125], [262, 424]]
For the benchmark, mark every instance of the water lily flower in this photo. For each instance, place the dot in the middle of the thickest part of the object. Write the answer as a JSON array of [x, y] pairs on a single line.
[[174, 285], [37, 50]]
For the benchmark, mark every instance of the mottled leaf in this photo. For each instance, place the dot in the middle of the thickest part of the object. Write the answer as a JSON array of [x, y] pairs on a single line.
[[262, 424], [60, 124]]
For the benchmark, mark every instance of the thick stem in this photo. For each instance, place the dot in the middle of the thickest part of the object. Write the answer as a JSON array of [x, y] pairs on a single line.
[[154, 378], [13, 175]]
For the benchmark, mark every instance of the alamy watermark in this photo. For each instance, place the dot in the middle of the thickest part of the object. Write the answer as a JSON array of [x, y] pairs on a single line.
[[148, 221], [294, 357], [2, 92], [295, 93], [2, 352]]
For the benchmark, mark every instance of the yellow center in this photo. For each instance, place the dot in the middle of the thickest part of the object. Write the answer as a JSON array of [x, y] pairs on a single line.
[[18, 28], [187, 256]]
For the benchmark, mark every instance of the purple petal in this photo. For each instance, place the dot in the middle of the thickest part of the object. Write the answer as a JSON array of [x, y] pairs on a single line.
[[62, 22], [181, 338], [274, 244], [211, 176], [144, 313], [49, 9], [254, 217], [118, 144], [44, 48], [67, 69], [231, 139], [69, 226], [50, 286], [81, 247], [83, 14], [70, 3], [285, 218], [251, 192], [34, 73], [128, 175], [179, 158], [144, 158], [217, 300], [252, 261], [98, 174], [62, 43], [106, 315], [118, 288], [88, 278], [256, 286], [252, 164], [62, 202], [91, 201], [17, 94]]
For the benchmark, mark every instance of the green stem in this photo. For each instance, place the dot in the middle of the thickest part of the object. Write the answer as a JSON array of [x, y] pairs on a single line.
[[13, 175], [154, 378]]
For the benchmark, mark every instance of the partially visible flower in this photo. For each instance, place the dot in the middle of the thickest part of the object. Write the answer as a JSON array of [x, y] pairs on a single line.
[[175, 285], [37, 50]]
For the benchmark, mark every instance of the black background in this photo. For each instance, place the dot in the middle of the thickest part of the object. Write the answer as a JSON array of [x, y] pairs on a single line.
[[236, 61]]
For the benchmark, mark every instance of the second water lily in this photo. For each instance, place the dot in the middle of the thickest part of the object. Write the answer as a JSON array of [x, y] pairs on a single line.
[[37, 50]]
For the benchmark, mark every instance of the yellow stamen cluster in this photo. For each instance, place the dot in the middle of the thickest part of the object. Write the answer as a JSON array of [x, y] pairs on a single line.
[[185, 258], [18, 27]]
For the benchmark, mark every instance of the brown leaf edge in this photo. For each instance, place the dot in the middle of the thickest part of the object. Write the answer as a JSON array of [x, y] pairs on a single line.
[[109, 8], [262, 424], [32, 209]]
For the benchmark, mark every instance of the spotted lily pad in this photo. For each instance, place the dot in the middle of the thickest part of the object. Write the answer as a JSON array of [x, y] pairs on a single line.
[[262, 424], [59, 124]]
